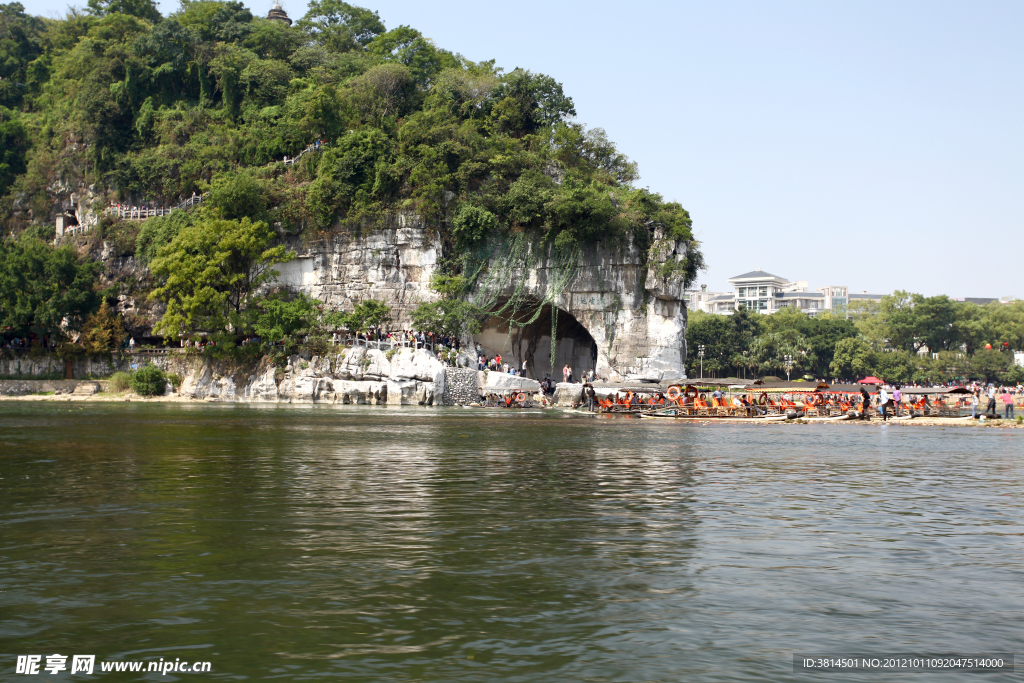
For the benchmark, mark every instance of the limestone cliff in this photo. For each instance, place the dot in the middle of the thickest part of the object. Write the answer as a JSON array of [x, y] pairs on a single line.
[[620, 311]]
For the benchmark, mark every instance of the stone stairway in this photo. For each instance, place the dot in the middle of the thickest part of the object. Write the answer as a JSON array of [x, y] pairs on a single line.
[[85, 389]]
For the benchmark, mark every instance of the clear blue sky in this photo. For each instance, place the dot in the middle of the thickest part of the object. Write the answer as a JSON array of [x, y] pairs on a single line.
[[878, 145]]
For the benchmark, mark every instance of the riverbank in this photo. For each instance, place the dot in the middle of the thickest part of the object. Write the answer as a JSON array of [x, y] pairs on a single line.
[[942, 422]]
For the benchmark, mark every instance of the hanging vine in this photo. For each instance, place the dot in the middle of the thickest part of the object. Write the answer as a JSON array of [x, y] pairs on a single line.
[[490, 270]]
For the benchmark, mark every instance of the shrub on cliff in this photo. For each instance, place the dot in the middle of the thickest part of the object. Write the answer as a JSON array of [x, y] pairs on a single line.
[[149, 380], [451, 316], [472, 223]]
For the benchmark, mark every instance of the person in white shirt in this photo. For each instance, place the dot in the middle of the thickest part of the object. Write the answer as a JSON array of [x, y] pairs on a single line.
[[883, 403]]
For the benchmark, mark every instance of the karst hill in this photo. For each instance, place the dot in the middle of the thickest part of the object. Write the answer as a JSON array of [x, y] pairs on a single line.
[[377, 160]]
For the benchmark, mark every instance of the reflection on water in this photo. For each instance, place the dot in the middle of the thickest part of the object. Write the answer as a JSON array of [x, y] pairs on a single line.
[[291, 542]]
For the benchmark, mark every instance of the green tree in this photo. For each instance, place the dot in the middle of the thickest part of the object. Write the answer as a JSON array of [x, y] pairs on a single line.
[[216, 20], [1004, 322], [282, 319], [21, 44], [143, 9], [852, 359], [103, 331], [370, 314], [340, 26], [823, 332], [239, 195], [14, 143], [44, 291], [902, 323], [1015, 375], [718, 335], [990, 364], [451, 316], [157, 232], [525, 102], [937, 316], [407, 46], [471, 224], [210, 271], [896, 366], [272, 39], [769, 350]]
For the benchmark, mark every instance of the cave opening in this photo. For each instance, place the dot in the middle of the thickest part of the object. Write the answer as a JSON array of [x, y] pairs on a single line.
[[516, 342]]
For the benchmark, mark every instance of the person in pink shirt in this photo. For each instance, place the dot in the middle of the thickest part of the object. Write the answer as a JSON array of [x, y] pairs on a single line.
[[1007, 398]]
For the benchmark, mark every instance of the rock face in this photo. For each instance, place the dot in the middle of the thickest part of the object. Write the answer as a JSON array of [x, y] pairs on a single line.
[[28, 365], [568, 394], [353, 376], [620, 311], [499, 381]]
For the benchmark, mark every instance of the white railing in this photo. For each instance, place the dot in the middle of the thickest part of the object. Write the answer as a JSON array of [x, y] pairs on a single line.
[[290, 161], [139, 213], [386, 344]]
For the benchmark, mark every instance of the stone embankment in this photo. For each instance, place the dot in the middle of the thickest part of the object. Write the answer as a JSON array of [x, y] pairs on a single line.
[[349, 376], [59, 387]]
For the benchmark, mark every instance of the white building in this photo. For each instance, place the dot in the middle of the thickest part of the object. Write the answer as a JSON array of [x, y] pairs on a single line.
[[763, 292]]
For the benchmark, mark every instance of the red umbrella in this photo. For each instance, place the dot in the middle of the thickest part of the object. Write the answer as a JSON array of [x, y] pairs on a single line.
[[871, 380]]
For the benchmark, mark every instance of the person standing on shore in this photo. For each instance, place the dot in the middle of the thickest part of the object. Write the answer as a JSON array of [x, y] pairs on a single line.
[[883, 403], [524, 368], [974, 403], [865, 403], [990, 409], [591, 394], [897, 396], [1007, 398]]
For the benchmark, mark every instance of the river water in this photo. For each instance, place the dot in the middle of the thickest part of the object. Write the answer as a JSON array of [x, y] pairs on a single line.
[[305, 543]]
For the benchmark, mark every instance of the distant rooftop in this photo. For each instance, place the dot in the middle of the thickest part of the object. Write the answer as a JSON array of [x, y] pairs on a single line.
[[756, 273]]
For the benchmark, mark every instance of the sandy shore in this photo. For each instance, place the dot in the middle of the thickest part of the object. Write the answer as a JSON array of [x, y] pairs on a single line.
[[128, 397]]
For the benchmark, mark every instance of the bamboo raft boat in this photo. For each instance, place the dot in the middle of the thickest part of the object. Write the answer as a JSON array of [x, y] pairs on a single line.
[[814, 403]]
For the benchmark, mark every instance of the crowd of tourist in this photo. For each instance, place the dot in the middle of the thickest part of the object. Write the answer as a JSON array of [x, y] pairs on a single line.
[[894, 398]]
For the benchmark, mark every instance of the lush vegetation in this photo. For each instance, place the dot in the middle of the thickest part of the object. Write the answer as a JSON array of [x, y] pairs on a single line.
[[211, 97], [959, 341], [45, 293], [142, 107], [210, 272]]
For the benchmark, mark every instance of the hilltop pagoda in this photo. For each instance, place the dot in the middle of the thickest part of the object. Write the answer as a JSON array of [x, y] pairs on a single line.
[[278, 14]]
